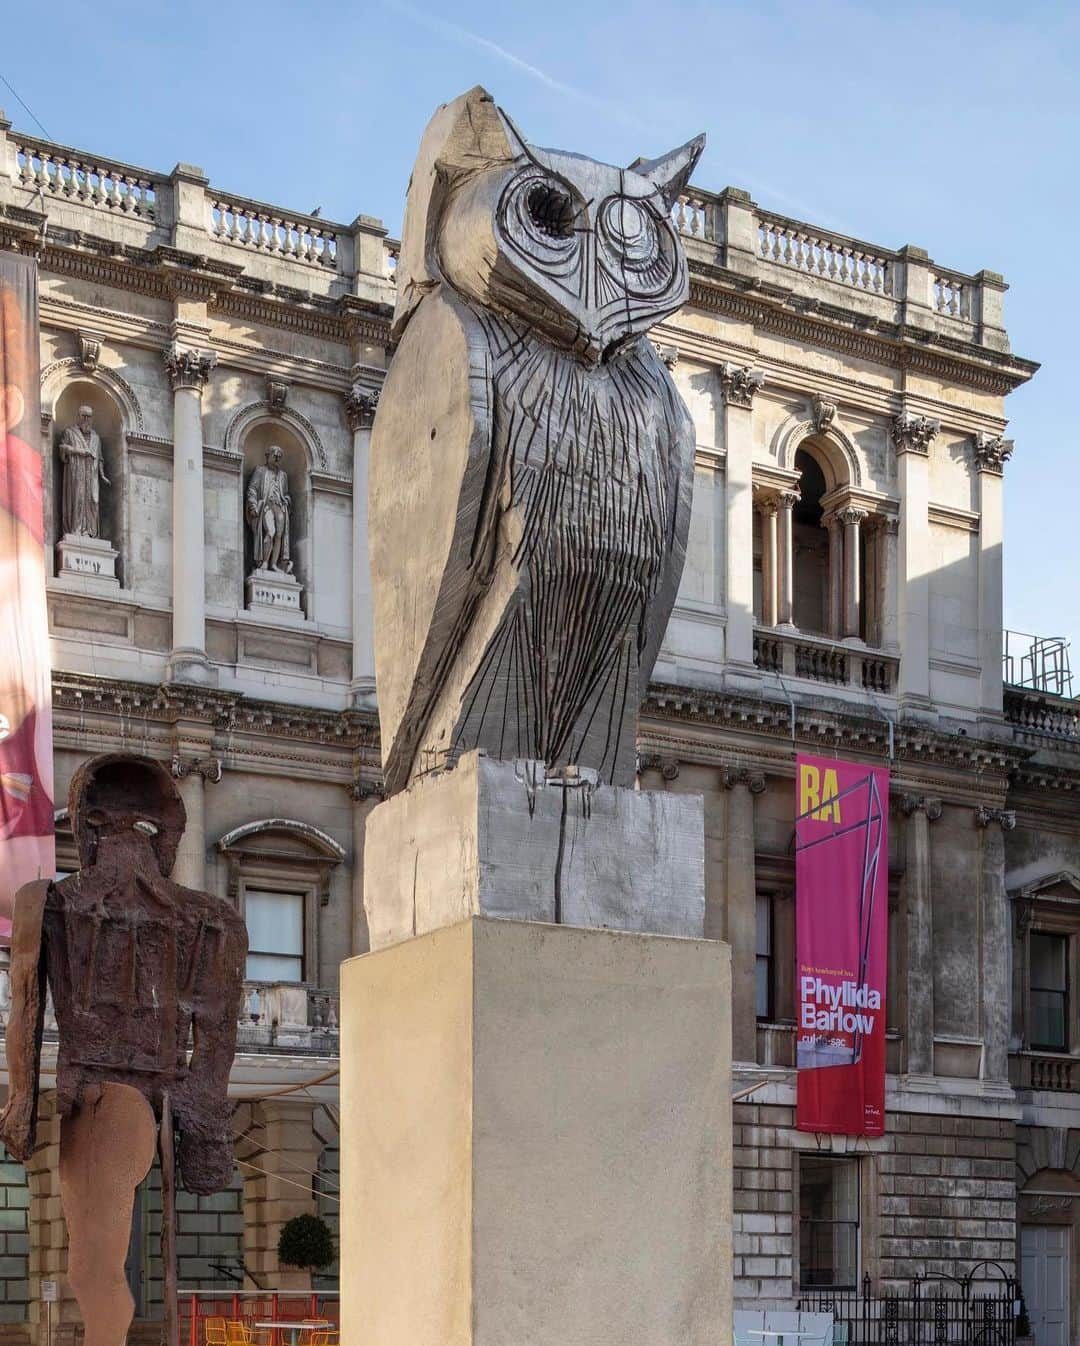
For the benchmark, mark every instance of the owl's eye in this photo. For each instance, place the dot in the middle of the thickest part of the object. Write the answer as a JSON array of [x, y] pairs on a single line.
[[634, 238], [551, 210]]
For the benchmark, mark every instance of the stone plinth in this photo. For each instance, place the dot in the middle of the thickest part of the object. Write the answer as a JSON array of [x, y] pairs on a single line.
[[90, 560], [491, 838], [273, 592], [538, 1139]]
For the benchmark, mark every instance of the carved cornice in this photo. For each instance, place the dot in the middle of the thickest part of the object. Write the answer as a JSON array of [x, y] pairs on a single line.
[[754, 781], [716, 290], [913, 434], [739, 383], [1005, 818], [992, 452], [927, 804], [188, 367], [360, 407]]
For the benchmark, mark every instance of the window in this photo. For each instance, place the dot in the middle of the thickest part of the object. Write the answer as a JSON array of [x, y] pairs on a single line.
[[275, 924], [1049, 991], [763, 989], [828, 1222]]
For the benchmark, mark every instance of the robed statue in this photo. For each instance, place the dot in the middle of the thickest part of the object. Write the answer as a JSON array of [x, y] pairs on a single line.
[[80, 453], [268, 506]]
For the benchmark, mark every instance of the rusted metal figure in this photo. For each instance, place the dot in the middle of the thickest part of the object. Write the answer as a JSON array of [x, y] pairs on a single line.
[[139, 969]]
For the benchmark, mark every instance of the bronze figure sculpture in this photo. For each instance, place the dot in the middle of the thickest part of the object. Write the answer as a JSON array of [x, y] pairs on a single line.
[[138, 967]]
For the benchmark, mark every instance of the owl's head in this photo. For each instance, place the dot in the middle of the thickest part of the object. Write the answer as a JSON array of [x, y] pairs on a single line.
[[583, 252]]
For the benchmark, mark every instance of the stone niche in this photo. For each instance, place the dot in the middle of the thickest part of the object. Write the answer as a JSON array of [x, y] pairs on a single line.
[[278, 595], [93, 564]]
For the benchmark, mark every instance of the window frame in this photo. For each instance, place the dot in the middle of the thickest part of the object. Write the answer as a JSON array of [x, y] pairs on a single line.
[[769, 958], [1069, 940], [855, 1161], [271, 886]]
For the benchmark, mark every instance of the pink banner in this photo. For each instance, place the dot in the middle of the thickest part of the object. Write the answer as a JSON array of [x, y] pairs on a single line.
[[26, 774], [842, 925]]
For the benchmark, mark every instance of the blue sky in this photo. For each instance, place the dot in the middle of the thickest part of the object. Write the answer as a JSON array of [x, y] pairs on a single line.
[[952, 127]]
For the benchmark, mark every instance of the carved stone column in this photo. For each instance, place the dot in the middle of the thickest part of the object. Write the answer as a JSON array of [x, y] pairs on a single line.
[[767, 507], [191, 774], [919, 1032], [912, 437], [851, 518], [188, 372], [785, 603], [741, 896], [284, 1145], [995, 943], [991, 454], [738, 384], [836, 575], [360, 404]]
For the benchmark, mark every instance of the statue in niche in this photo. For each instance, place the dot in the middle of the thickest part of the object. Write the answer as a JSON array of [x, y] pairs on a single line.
[[268, 506], [532, 461], [135, 964], [84, 470]]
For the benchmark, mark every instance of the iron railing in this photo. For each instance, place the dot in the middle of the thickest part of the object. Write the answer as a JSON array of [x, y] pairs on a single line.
[[979, 1309]]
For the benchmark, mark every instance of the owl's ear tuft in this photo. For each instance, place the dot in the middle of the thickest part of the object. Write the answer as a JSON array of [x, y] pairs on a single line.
[[671, 172], [481, 136]]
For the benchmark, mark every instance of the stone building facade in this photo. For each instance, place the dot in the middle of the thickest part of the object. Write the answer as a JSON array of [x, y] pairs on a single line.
[[842, 595]]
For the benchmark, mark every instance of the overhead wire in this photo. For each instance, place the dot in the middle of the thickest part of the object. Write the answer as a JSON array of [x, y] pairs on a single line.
[[26, 106]]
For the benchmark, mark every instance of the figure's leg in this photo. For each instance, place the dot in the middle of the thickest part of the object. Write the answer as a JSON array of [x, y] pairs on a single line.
[[273, 539], [106, 1149]]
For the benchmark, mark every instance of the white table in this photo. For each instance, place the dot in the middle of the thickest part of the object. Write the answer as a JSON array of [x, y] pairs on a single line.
[[296, 1328]]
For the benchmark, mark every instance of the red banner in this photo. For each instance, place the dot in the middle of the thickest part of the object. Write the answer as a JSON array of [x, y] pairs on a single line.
[[26, 773], [842, 926]]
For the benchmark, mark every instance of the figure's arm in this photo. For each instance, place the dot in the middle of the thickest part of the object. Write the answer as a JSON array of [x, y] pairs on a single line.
[[206, 1142], [18, 1121]]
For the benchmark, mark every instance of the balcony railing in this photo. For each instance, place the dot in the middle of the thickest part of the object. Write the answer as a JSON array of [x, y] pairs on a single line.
[[818, 659], [1040, 717], [288, 1015], [1049, 1072]]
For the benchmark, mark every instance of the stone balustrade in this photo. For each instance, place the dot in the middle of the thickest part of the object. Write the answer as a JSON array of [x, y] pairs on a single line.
[[793, 654], [1041, 717], [1052, 1073], [693, 215], [56, 172], [296, 238], [825, 256], [288, 1016]]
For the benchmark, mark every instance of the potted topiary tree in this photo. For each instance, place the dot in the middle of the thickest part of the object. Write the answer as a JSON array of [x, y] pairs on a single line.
[[1024, 1333], [306, 1243]]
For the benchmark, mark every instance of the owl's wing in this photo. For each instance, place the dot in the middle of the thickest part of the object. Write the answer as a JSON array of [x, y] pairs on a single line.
[[432, 516], [678, 441]]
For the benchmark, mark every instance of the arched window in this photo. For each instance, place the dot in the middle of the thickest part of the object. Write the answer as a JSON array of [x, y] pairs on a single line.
[[811, 547]]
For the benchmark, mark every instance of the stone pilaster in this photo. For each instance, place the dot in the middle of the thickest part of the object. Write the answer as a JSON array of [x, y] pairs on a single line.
[[887, 539], [738, 384], [47, 1230], [360, 405], [741, 897], [287, 1152], [188, 371], [192, 767], [991, 454], [995, 944], [836, 575], [919, 1032], [912, 437]]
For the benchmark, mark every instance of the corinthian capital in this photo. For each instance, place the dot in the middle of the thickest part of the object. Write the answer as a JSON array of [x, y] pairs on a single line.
[[360, 404], [188, 367], [739, 383], [913, 434], [991, 453]]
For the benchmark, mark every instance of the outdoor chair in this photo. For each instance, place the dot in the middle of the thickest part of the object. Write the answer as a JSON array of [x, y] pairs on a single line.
[[214, 1332]]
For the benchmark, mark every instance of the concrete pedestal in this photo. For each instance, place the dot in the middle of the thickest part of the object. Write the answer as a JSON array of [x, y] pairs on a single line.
[[537, 1139], [272, 591], [91, 560], [492, 838]]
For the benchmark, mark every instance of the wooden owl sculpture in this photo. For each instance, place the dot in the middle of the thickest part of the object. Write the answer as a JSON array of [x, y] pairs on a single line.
[[531, 460]]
